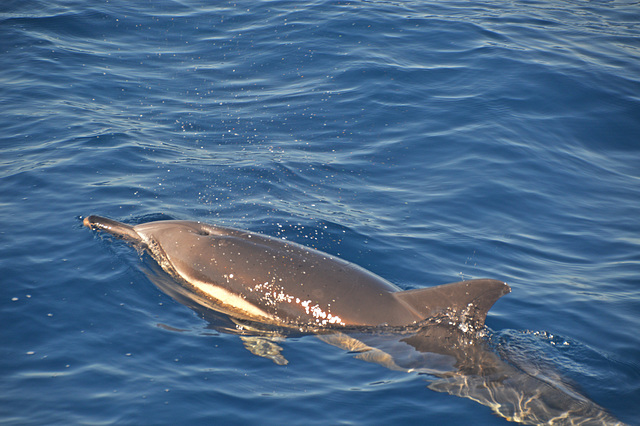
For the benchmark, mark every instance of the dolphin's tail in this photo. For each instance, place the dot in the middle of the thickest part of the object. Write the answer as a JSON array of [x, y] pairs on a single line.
[[115, 228]]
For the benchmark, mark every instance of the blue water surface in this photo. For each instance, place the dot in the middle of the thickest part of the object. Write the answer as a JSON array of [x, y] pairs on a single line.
[[428, 142]]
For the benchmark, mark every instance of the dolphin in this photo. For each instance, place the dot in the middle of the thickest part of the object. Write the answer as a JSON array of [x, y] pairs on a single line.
[[245, 283], [259, 278]]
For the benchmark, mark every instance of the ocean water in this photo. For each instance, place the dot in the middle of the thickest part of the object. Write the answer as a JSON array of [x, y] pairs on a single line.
[[428, 142]]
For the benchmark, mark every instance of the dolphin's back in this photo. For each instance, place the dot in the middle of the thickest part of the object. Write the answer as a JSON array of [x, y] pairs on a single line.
[[289, 282]]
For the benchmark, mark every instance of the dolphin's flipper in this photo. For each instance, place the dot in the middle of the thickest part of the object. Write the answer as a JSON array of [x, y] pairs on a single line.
[[264, 347], [466, 302], [363, 351]]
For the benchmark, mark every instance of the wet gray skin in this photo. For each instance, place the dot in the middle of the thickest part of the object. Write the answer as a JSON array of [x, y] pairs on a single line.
[[257, 277]]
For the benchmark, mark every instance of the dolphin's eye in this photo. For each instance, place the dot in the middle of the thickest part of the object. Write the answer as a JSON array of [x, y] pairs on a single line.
[[202, 232]]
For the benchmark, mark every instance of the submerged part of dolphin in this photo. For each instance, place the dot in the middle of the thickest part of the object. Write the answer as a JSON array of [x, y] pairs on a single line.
[[465, 366], [268, 280]]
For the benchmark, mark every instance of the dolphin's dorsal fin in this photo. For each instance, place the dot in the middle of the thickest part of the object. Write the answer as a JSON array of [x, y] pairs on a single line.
[[464, 301]]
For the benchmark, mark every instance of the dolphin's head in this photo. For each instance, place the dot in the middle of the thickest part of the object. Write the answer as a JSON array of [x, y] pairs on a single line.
[[159, 232]]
